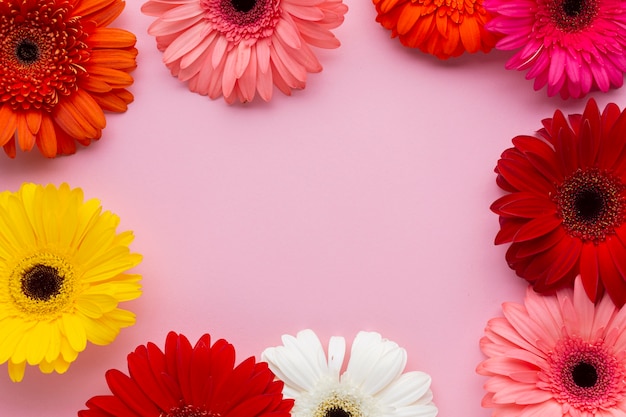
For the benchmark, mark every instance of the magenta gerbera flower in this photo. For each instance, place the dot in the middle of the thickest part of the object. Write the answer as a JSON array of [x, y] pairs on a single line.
[[556, 355], [238, 48], [572, 46]]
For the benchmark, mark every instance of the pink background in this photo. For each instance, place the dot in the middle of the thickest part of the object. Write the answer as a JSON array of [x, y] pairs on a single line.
[[361, 202]]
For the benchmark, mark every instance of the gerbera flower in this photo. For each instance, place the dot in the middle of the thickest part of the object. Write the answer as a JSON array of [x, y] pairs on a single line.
[[556, 355], [186, 381], [62, 276], [441, 28], [566, 204], [237, 48], [373, 385], [572, 46], [61, 67]]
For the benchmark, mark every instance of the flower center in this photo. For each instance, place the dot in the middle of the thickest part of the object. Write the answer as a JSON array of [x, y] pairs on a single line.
[[42, 285], [586, 376], [41, 282], [591, 204], [243, 6], [188, 411], [337, 412], [242, 20], [42, 53], [573, 15], [27, 52], [339, 406]]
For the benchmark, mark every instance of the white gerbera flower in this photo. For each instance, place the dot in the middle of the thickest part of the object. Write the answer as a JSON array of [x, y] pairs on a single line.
[[373, 384]]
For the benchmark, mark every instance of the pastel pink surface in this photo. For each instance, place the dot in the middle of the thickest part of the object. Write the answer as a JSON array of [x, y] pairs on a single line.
[[361, 202]]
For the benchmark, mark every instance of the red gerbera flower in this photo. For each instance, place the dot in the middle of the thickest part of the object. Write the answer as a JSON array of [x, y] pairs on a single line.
[[61, 66], [566, 206], [186, 381]]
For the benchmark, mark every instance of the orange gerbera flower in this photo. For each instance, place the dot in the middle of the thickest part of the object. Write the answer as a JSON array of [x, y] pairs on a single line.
[[61, 67], [441, 28]]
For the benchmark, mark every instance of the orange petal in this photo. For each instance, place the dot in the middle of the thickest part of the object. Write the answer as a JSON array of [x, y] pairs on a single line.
[[8, 124], [111, 38], [25, 137], [79, 116], [47, 138]]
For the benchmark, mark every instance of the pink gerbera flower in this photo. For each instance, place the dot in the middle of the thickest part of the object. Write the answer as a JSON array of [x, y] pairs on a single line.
[[237, 48], [572, 46], [556, 355]]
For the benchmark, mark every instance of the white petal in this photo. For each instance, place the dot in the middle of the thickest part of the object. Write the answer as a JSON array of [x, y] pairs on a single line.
[[336, 353], [300, 362], [406, 390], [416, 411], [374, 362]]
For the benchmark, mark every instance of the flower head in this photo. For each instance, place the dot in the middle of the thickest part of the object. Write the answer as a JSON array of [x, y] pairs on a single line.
[[572, 46], [186, 381], [61, 67], [441, 28], [565, 210], [556, 355], [238, 48], [62, 276], [373, 384]]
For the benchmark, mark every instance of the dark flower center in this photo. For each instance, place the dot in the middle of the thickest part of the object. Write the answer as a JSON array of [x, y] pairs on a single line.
[[243, 6], [337, 412], [188, 411], [27, 52], [573, 8], [41, 282], [573, 15], [591, 204], [584, 375]]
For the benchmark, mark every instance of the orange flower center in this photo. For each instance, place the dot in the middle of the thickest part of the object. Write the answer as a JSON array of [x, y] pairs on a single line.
[[572, 15], [41, 55], [591, 204]]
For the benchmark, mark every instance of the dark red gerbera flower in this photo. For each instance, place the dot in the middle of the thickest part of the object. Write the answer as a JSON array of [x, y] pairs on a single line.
[[186, 381], [566, 206]]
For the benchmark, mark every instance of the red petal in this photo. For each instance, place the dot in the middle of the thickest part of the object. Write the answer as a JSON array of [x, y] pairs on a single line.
[[541, 244], [611, 277], [589, 271], [107, 405], [537, 227], [129, 393], [523, 204]]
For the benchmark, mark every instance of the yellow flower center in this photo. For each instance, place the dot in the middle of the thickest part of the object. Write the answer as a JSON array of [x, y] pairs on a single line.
[[338, 406], [42, 284]]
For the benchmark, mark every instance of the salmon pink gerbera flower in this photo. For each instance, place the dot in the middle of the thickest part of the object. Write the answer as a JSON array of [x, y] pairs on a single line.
[[441, 28], [565, 210], [572, 46], [556, 355], [190, 381], [236, 48], [61, 67]]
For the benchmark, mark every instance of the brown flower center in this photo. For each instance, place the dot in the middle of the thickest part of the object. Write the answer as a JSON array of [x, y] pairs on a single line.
[[573, 15], [337, 412], [584, 375], [243, 6], [41, 282], [27, 52], [591, 204]]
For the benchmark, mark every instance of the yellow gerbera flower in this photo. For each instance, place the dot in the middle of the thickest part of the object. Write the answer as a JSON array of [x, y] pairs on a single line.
[[62, 276]]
